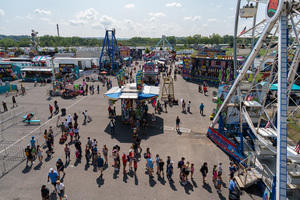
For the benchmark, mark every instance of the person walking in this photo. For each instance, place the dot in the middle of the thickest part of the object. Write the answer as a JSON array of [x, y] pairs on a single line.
[[219, 182], [105, 152], [14, 101], [157, 158], [45, 193], [170, 171], [60, 190], [130, 159], [112, 126], [183, 106], [39, 153], [100, 164], [56, 107], [124, 161], [150, 166], [4, 105], [84, 117], [135, 165], [189, 107], [60, 166], [204, 171], [192, 170], [28, 153], [67, 152], [98, 89], [95, 152], [201, 108], [177, 123], [51, 109], [166, 106], [53, 176]]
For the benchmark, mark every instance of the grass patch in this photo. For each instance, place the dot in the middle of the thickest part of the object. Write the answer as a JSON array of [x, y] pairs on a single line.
[[293, 129]]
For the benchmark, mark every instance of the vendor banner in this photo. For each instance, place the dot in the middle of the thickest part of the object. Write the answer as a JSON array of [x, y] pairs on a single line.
[[186, 62], [119, 79], [139, 78]]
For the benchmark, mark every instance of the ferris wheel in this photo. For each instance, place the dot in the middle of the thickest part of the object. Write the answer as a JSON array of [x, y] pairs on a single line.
[[265, 94]]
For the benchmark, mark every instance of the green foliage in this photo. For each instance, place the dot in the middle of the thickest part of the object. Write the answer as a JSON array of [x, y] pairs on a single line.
[[52, 41], [147, 50]]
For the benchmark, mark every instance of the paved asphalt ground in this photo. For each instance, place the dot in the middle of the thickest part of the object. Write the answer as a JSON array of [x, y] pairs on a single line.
[[82, 181]]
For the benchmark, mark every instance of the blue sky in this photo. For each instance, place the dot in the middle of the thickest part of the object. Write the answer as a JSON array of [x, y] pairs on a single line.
[[90, 18]]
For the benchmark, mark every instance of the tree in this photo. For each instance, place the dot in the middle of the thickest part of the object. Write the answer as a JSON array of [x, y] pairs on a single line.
[[147, 50]]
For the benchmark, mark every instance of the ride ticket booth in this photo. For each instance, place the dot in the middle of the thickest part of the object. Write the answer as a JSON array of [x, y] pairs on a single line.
[[150, 73], [132, 99]]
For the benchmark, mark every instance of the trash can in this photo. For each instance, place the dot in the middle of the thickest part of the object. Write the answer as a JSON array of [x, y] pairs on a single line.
[[63, 112]]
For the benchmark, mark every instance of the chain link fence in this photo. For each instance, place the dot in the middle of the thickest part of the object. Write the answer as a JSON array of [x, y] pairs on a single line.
[[15, 135]]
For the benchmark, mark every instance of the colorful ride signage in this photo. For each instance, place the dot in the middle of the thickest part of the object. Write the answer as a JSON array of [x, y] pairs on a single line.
[[274, 8]]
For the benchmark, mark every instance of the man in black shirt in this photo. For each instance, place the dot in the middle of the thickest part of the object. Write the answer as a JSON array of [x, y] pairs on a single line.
[[78, 146], [45, 193]]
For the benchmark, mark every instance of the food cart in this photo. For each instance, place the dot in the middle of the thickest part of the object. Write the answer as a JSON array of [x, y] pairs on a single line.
[[132, 99]]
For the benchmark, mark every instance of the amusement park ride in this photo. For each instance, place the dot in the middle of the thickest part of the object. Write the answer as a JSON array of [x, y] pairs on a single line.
[[247, 126], [110, 53]]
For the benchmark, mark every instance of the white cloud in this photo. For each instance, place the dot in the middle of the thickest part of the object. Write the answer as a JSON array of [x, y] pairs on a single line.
[[47, 20], [212, 20], [204, 25], [39, 11], [187, 18], [231, 8], [174, 4], [77, 22], [87, 14], [105, 22], [197, 18], [155, 16], [28, 16], [159, 14], [2, 13], [131, 5]]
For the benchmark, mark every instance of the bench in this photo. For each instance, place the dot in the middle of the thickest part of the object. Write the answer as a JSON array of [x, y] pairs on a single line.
[[26, 116], [33, 121]]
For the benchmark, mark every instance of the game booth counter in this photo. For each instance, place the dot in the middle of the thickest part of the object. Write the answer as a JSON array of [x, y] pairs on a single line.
[[150, 73], [32, 74], [69, 70], [10, 72], [132, 99]]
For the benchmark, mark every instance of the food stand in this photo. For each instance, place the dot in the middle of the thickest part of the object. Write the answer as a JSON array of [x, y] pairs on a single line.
[[150, 73], [31, 74], [132, 99], [69, 71]]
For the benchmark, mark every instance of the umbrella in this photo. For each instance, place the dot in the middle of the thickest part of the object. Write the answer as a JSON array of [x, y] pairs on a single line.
[[103, 72]]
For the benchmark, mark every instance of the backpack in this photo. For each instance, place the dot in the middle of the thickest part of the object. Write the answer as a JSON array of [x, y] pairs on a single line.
[[145, 156], [27, 152], [179, 164]]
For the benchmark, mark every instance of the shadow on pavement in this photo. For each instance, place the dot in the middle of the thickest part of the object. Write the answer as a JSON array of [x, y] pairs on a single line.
[[53, 196], [194, 183], [152, 182], [125, 178], [221, 196], [136, 180], [207, 187], [161, 179], [188, 187], [123, 132], [173, 187], [38, 167], [100, 181], [26, 169]]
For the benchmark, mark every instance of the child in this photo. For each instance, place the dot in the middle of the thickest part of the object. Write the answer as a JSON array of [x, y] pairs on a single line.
[[192, 170], [215, 173], [135, 165]]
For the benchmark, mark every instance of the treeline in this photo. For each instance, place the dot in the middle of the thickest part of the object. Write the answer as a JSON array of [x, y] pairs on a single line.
[[55, 41]]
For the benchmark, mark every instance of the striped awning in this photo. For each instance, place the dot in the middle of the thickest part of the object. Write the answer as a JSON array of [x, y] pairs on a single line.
[[40, 58]]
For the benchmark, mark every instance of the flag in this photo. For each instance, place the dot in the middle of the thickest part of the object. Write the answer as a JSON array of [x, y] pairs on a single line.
[[297, 149], [243, 31], [268, 124]]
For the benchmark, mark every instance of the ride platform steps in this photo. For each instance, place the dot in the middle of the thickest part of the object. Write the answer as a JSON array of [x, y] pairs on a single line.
[[252, 176]]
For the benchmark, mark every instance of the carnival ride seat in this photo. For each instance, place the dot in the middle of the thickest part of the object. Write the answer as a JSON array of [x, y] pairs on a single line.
[[248, 11]]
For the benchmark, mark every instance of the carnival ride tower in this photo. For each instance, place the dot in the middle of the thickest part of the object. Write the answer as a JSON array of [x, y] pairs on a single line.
[[110, 53], [279, 40], [164, 40]]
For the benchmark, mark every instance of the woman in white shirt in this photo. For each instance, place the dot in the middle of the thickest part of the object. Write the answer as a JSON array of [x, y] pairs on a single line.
[[60, 190]]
